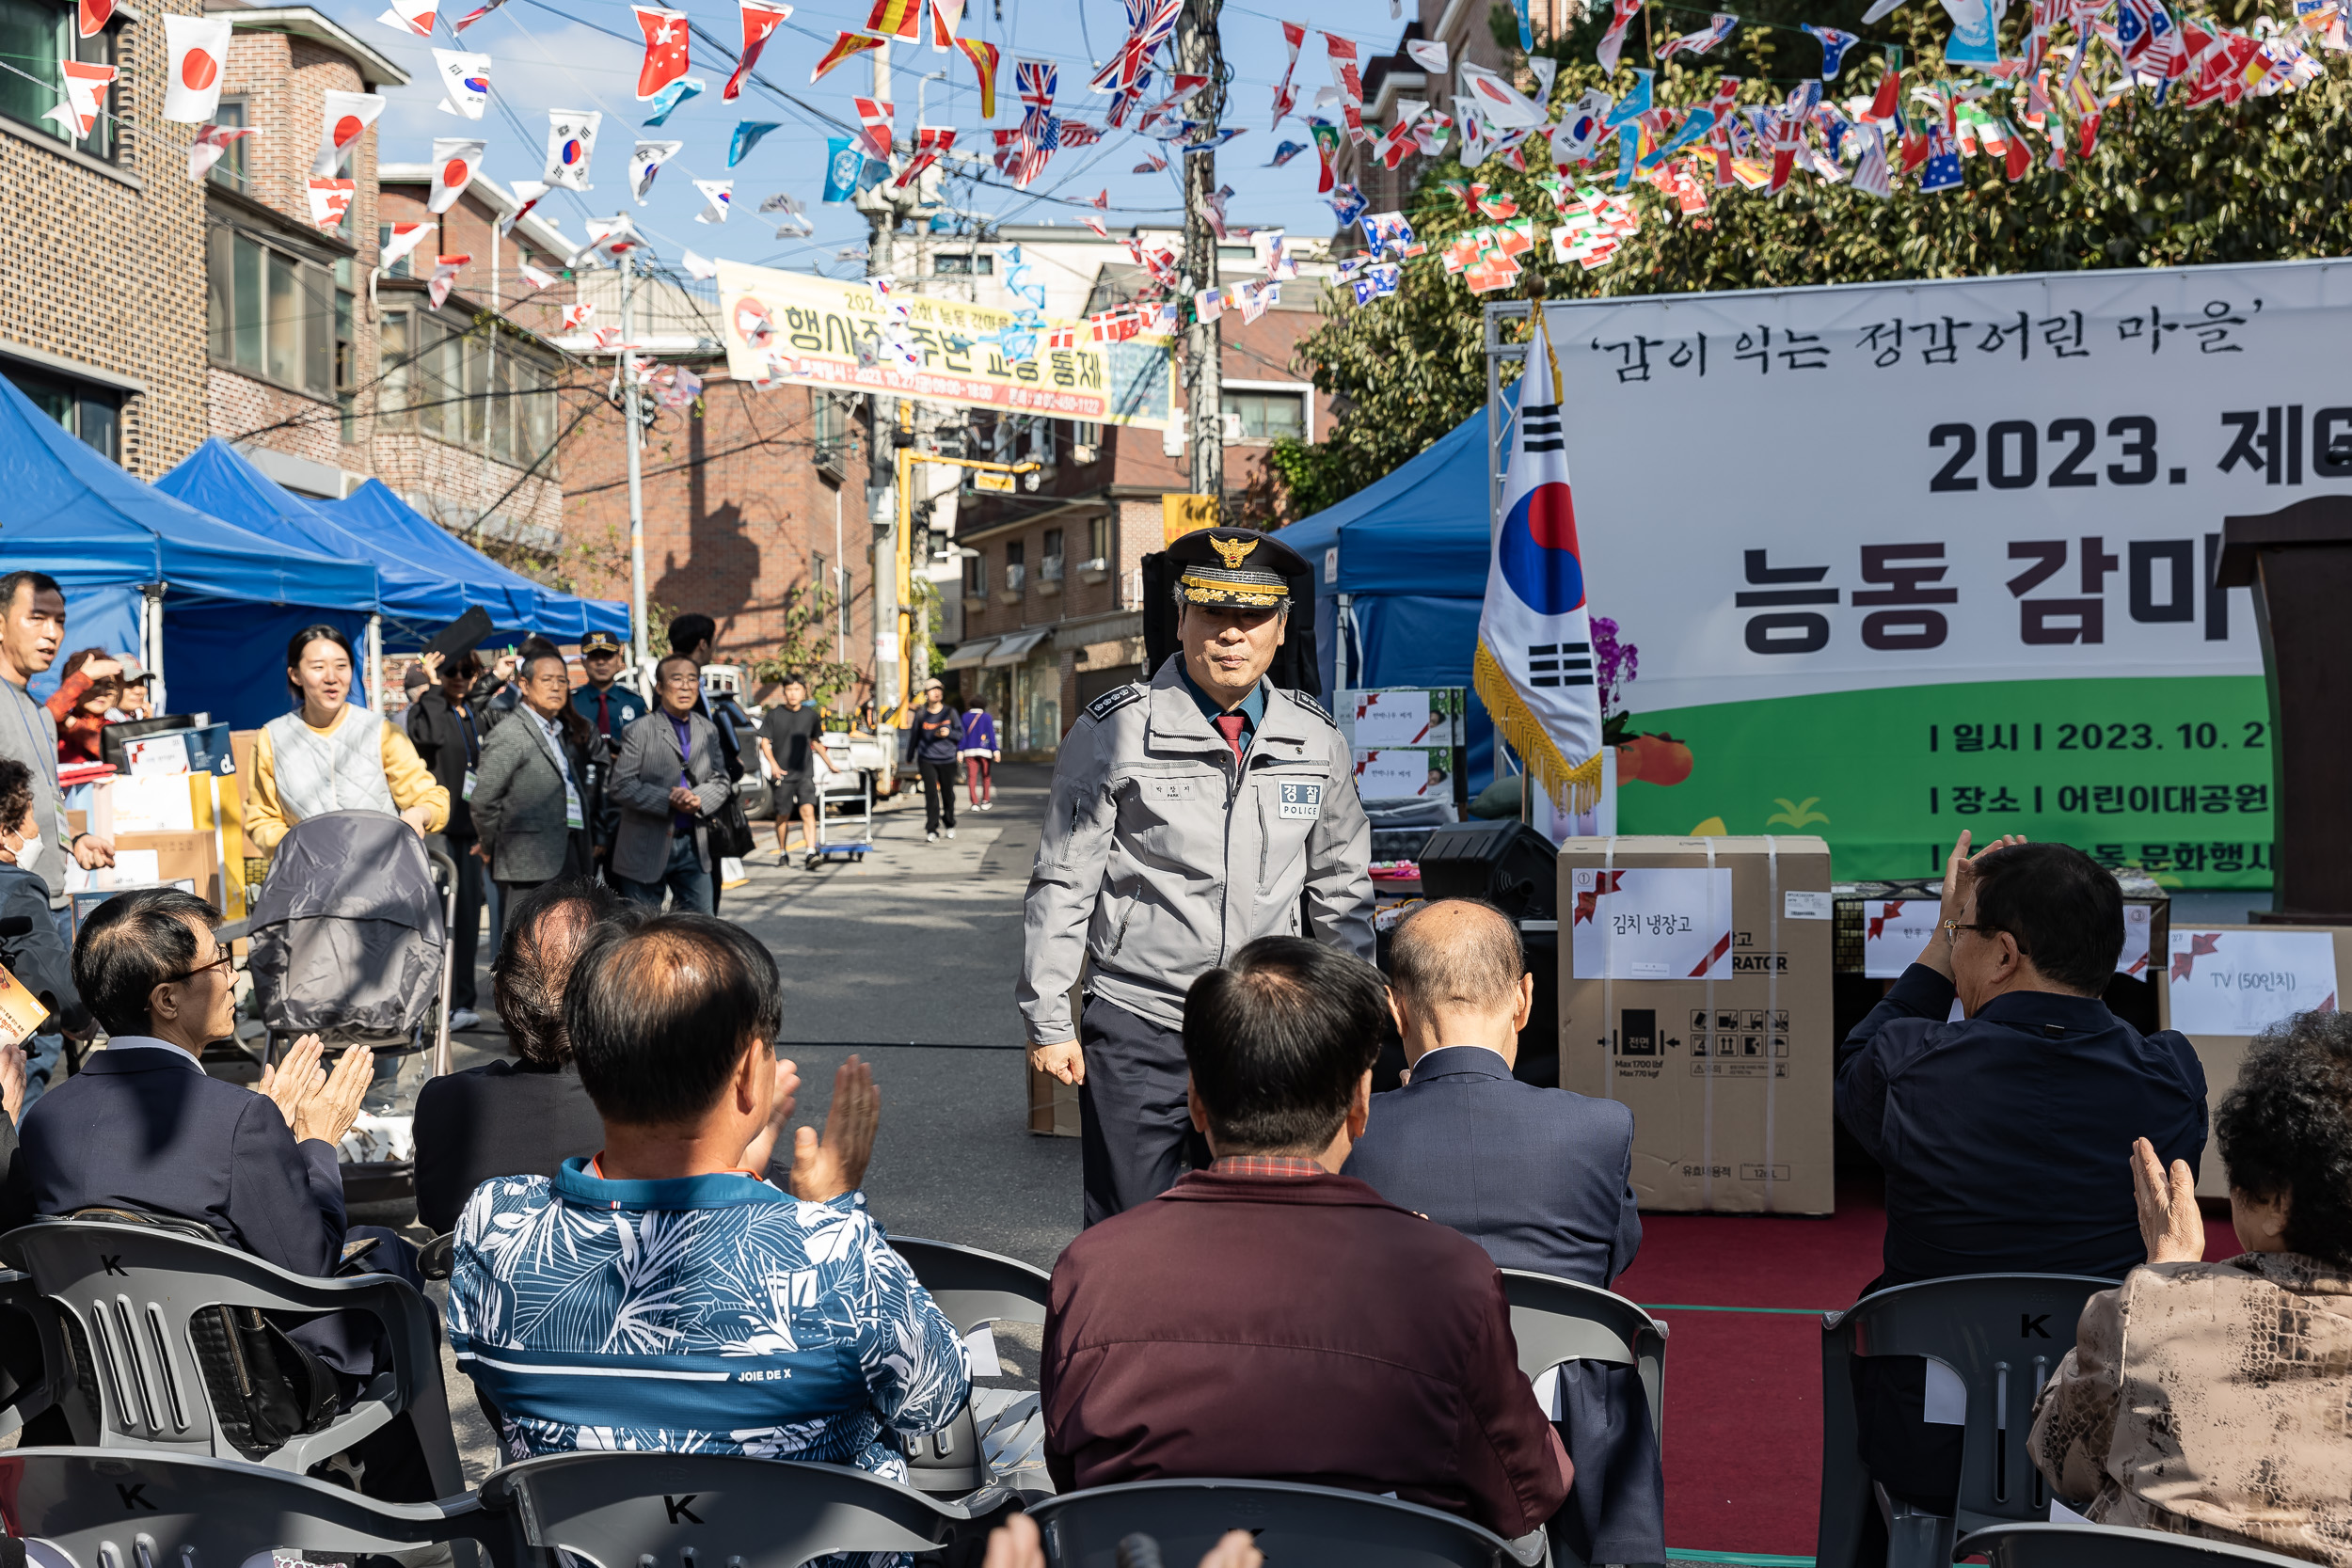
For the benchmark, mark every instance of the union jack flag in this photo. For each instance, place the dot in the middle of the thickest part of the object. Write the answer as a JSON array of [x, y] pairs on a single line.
[[1037, 80], [1149, 24]]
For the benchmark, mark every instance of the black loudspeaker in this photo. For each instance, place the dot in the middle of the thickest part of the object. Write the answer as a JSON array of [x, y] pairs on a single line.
[[1507, 863]]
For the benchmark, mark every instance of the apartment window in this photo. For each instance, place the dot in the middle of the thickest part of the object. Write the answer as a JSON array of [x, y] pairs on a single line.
[[269, 313], [35, 34], [93, 414], [1268, 415], [346, 350], [401, 268], [1049, 566], [976, 575], [1016, 566], [1098, 539], [950, 264], [234, 171], [456, 385]]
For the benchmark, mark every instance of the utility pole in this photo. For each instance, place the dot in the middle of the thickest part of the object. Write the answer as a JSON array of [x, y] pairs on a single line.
[[882, 491], [1200, 53], [634, 431]]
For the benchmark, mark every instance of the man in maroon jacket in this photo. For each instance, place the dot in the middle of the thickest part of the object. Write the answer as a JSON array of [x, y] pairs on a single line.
[[1268, 1319]]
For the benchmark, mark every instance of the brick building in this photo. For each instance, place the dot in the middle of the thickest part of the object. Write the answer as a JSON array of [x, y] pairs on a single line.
[[102, 263], [1050, 578]]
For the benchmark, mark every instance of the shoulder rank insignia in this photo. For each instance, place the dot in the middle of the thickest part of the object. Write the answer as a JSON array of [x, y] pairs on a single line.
[[1112, 701], [1314, 707]]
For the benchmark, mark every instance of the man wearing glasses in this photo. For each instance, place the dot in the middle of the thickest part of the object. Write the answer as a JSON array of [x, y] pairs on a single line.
[[2006, 1132], [669, 779]]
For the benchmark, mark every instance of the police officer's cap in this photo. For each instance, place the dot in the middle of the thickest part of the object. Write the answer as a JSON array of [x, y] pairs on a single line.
[[599, 642], [1235, 568]]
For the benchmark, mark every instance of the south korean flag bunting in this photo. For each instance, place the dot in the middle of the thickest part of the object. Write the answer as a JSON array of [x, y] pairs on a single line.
[[464, 82], [718, 196], [1533, 668], [346, 118], [571, 142], [646, 161]]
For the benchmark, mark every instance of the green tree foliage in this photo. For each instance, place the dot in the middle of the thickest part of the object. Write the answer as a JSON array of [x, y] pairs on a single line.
[[2264, 179]]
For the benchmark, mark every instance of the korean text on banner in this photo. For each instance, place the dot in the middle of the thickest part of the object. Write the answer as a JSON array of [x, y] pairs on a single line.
[[1652, 923], [792, 327], [2023, 635], [2242, 982]]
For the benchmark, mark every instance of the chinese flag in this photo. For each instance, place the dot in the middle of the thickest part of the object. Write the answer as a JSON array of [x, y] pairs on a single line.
[[760, 19], [898, 19], [665, 49]]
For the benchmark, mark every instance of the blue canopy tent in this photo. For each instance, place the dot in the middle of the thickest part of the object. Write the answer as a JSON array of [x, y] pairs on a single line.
[[1411, 562], [514, 602], [229, 598]]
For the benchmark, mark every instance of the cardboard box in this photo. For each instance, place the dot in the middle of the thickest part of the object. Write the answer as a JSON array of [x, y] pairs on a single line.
[[143, 860], [1694, 987], [2202, 998]]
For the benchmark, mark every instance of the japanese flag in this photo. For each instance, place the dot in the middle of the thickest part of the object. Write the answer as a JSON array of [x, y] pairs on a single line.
[[211, 144], [464, 82], [534, 277], [526, 192], [404, 238], [1533, 668], [85, 92], [665, 49], [347, 116], [329, 201], [760, 19], [455, 165], [718, 194], [445, 269], [413, 16], [199, 53], [571, 142], [645, 162]]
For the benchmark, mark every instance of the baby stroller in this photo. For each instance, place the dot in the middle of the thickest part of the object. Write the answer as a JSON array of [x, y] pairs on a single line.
[[350, 941]]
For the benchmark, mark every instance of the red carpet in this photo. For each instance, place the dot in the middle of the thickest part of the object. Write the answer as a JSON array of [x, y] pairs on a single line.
[[1744, 1382], [1743, 1385]]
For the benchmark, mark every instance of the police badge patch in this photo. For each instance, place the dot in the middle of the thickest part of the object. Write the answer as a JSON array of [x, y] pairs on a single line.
[[1301, 802]]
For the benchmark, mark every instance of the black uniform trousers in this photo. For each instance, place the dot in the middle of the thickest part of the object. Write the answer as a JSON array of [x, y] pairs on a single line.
[[1136, 1134]]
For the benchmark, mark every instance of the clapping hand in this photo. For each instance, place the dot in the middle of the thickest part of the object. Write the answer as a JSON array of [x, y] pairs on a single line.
[[823, 1170], [2169, 1226], [327, 1112], [13, 1081], [763, 1148], [1960, 881], [296, 1079]]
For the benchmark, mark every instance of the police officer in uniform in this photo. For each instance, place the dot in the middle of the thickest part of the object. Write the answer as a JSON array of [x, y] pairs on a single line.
[[1190, 814]]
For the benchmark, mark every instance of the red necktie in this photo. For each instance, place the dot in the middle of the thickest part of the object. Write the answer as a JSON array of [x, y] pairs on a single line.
[[604, 720], [1229, 725]]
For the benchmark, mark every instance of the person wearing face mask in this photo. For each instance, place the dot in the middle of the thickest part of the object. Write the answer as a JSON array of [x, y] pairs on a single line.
[[1190, 814], [333, 754]]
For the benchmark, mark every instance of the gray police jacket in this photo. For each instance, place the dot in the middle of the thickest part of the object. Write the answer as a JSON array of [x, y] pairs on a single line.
[[1160, 856]]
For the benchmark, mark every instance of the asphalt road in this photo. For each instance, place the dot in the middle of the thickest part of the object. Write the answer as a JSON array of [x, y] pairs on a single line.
[[908, 958]]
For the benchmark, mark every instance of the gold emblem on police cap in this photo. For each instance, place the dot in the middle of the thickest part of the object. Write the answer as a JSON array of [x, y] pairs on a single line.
[[1235, 551]]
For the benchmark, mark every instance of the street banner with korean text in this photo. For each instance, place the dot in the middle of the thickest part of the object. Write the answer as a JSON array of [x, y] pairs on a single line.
[[793, 327], [1905, 559]]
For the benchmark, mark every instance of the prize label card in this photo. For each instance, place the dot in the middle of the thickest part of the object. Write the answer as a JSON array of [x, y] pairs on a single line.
[[2243, 982], [1652, 923]]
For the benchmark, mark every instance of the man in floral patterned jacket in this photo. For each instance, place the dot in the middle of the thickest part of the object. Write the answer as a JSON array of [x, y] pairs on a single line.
[[753, 1320]]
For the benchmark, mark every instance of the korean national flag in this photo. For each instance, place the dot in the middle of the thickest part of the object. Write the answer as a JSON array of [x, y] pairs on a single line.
[[464, 82], [571, 142], [1534, 666]]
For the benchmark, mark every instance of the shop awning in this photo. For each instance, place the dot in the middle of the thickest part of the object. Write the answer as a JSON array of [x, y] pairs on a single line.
[[969, 654], [1014, 649]]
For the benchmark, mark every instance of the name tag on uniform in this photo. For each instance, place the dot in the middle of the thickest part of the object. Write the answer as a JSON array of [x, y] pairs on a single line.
[[1168, 789], [573, 815], [1301, 802]]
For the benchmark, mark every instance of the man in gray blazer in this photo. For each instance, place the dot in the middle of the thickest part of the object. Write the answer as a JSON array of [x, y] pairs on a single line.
[[535, 792], [1539, 1178], [666, 784]]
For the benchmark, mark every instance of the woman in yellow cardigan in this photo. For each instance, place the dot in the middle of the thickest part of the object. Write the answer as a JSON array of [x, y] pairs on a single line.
[[332, 754]]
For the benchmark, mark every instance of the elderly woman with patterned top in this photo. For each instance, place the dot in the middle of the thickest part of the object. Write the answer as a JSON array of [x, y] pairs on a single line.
[[333, 754], [2208, 1398]]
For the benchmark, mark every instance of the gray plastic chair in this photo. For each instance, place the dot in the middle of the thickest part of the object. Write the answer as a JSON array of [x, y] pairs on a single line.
[[131, 1291], [971, 1287], [20, 1299], [119, 1508], [1558, 1319], [2003, 1335], [622, 1509], [2101, 1546], [1297, 1526]]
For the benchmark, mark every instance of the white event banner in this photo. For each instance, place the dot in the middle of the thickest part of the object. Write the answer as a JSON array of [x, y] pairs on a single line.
[[1652, 923], [1905, 484], [1404, 773], [2243, 982]]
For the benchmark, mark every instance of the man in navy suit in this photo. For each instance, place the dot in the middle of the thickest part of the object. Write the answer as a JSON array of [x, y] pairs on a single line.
[[143, 1127], [1539, 1178]]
